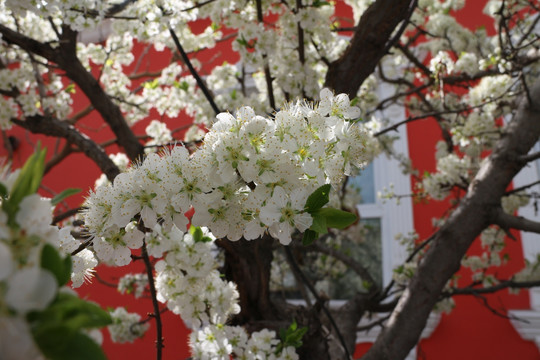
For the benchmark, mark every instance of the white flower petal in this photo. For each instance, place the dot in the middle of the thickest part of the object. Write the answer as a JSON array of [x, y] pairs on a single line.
[[31, 289]]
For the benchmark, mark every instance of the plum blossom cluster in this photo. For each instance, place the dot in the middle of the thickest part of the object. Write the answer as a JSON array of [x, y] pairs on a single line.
[[147, 21], [252, 175], [189, 282], [222, 341], [133, 284], [126, 326]]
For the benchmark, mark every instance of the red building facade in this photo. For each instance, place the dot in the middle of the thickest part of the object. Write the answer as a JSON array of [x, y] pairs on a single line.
[[470, 331]]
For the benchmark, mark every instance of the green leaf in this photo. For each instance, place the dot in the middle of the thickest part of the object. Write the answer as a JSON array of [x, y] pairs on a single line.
[[52, 261], [293, 326], [318, 3], [338, 219], [27, 183], [64, 194], [3, 191], [151, 84], [291, 337], [61, 343], [197, 233], [309, 237], [319, 223], [52, 339], [76, 313], [70, 89], [318, 198]]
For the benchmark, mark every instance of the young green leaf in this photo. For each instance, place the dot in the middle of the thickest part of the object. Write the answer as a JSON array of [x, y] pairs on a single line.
[[197, 233], [64, 194], [309, 237], [319, 223], [27, 183], [52, 261], [318, 198], [338, 219]]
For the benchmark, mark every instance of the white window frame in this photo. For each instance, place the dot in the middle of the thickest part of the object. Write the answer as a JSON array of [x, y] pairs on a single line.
[[529, 329]]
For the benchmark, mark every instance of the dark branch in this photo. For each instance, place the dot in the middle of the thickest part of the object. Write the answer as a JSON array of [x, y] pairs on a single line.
[[55, 127], [347, 260], [194, 72], [492, 289], [311, 288], [267, 74], [530, 157], [155, 304], [367, 46], [507, 221], [471, 217]]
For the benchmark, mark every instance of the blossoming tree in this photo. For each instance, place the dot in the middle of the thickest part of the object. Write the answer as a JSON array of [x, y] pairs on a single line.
[[261, 177]]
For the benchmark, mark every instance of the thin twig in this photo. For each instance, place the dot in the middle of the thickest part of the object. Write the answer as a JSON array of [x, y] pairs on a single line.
[[194, 72], [396, 37], [157, 314], [267, 74], [319, 300], [521, 188], [69, 213]]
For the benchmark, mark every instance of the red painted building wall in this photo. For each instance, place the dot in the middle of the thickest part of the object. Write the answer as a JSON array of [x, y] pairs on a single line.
[[471, 331]]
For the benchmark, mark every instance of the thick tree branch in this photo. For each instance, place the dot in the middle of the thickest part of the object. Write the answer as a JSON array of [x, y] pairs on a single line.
[[55, 127], [451, 242], [66, 57], [507, 221], [368, 45], [28, 44]]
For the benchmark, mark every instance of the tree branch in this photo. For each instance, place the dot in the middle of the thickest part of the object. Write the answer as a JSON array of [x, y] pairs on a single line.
[[530, 157], [67, 59], [267, 74], [471, 217], [157, 313], [290, 256], [507, 221], [194, 72], [54, 127], [367, 46], [347, 260], [488, 290], [26, 43]]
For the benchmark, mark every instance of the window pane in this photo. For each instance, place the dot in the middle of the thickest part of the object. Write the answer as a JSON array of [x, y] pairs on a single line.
[[366, 183], [368, 253], [328, 274]]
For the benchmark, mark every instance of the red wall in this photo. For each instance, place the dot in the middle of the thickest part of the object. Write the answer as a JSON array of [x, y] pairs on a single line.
[[471, 331]]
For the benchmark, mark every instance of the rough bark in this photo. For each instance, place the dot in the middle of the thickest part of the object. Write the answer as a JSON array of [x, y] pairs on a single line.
[[247, 263], [54, 127], [368, 45], [478, 209]]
